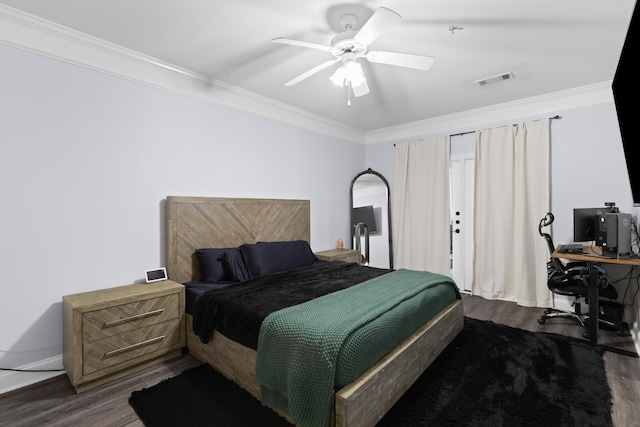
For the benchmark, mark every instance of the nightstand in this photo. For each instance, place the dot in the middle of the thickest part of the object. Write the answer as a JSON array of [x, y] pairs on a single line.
[[112, 332], [346, 255]]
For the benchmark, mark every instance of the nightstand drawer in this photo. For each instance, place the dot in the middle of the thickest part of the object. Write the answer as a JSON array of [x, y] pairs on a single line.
[[109, 333], [129, 345], [115, 320]]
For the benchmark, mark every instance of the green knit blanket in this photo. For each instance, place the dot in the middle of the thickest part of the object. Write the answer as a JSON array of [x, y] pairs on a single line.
[[298, 347]]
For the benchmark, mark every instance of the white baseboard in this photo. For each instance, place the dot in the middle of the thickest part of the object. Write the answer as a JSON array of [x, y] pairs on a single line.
[[12, 380]]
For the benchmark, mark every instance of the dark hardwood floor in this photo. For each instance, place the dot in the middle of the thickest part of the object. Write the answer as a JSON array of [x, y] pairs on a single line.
[[623, 372], [54, 402]]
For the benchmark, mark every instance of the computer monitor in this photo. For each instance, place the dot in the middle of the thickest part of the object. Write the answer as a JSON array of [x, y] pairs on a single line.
[[585, 222], [366, 215]]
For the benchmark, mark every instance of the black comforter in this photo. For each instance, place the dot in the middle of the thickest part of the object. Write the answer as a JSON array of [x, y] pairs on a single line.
[[237, 311]]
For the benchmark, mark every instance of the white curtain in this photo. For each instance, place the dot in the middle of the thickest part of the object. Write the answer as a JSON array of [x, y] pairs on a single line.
[[511, 196], [421, 218]]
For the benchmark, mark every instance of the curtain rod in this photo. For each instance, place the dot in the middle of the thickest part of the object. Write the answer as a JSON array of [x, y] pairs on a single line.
[[556, 117]]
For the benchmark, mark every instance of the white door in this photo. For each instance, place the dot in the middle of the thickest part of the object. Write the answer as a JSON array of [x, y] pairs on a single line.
[[462, 177]]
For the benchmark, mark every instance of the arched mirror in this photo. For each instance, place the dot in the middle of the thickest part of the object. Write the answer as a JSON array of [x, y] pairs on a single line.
[[371, 218]]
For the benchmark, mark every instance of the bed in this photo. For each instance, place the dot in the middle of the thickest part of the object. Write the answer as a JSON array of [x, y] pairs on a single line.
[[200, 222]]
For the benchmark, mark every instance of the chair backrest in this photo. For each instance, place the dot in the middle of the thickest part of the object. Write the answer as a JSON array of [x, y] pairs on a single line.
[[545, 222]]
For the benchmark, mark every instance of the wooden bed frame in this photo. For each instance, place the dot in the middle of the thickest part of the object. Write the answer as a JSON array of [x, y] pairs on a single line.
[[200, 222]]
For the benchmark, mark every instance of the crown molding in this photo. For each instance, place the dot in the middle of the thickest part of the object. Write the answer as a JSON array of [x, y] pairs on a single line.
[[46, 38], [539, 106]]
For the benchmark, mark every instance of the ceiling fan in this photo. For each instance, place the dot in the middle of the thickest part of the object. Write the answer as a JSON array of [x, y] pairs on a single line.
[[349, 45]]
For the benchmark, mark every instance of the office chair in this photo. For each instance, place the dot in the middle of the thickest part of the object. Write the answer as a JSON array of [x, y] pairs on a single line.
[[572, 280]]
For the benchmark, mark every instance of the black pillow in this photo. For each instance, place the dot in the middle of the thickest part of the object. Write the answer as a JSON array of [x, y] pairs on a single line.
[[264, 258], [234, 266], [211, 263]]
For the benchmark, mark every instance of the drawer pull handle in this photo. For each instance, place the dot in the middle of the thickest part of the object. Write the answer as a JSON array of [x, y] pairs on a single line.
[[133, 346], [130, 318]]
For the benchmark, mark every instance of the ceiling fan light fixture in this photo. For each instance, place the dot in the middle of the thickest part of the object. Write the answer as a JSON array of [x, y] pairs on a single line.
[[349, 45], [349, 72], [354, 73], [339, 76]]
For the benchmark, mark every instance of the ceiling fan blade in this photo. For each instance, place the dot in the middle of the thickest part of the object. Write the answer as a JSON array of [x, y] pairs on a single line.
[[382, 19], [303, 44], [311, 72], [417, 62], [361, 89]]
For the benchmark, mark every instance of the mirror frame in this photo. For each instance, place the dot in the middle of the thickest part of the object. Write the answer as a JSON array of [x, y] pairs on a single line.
[[386, 183]]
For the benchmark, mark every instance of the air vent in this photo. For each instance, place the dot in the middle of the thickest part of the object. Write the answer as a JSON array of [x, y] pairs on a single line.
[[495, 79]]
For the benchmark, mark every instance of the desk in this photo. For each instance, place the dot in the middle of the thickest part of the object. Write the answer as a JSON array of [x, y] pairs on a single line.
[[591, 255]]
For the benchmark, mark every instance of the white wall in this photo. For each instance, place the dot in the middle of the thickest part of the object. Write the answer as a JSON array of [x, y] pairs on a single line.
[[86, 162], [587, 169], [87, 159]]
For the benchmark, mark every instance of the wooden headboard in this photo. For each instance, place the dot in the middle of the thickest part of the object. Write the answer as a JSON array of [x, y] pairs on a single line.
[[211, 222]]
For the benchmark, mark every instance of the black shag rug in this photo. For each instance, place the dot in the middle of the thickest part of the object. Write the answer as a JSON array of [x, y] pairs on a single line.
[[489, 375]]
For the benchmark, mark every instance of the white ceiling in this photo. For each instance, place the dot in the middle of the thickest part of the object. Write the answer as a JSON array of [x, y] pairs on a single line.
[[548, 45]]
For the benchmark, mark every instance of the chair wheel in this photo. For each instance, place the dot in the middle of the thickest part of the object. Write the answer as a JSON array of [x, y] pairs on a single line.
[[541, 320]]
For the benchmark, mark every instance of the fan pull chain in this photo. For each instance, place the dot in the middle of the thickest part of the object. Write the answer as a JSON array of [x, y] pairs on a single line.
[[349, 95]]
